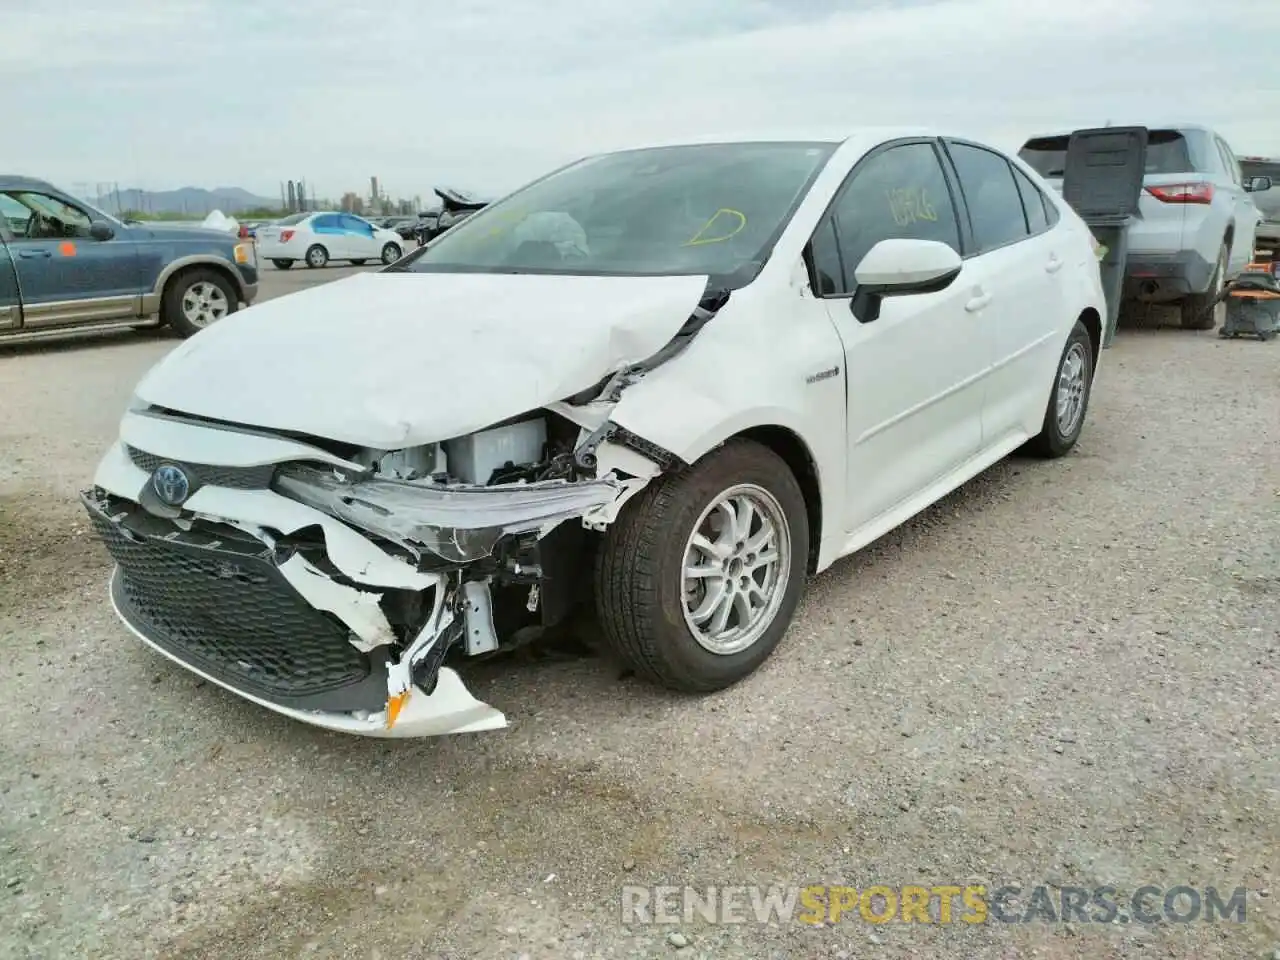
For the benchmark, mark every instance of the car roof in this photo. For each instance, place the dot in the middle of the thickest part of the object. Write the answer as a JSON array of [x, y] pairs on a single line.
[[1181, 127], [830, 135], [13, 181]]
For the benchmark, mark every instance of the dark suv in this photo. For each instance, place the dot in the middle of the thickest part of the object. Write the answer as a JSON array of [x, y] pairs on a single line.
[[65, 266]]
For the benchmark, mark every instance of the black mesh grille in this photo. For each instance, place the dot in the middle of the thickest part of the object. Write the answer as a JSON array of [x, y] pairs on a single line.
[[223, 607], [242, 478]]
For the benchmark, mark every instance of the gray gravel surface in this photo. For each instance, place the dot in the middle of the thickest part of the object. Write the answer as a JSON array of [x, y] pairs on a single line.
[[1064, 673]]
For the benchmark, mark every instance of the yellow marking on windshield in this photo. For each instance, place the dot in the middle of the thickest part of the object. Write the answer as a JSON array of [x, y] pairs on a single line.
[[908, 205], [700, 237]]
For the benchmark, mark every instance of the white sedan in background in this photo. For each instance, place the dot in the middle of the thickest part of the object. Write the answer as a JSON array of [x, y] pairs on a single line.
[[669, 383], [318, 238]]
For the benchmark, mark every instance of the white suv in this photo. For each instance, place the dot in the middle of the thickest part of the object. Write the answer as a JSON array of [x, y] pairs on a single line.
[[1197, 220]]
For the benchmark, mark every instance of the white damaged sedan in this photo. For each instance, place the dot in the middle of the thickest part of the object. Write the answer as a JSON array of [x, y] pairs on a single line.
[[671, 382]]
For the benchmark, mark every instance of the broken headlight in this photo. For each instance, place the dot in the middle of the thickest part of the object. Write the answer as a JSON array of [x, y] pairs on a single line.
[[459, 524]]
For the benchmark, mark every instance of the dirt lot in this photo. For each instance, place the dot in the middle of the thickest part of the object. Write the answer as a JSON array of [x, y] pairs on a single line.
[[1065, 673]]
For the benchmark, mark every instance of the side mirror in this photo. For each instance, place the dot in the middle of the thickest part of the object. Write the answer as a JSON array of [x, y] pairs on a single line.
[[898, 268], [1257, 184], [99, 230]]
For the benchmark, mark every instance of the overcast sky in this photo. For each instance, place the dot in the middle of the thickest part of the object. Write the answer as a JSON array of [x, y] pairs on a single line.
[[485, 94]]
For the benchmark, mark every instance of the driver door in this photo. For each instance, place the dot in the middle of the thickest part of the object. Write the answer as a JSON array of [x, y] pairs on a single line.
[[915, 375], [360, 238], [66, 276]]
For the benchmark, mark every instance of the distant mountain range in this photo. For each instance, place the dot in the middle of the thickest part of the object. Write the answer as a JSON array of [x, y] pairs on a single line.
[[195, 201]]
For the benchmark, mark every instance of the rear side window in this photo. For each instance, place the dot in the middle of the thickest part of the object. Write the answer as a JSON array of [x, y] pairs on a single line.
[[1034, 203], [325, 222], [995, 205]]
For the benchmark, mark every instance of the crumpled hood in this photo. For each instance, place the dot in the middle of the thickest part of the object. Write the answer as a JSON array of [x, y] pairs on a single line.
[[391, 360]]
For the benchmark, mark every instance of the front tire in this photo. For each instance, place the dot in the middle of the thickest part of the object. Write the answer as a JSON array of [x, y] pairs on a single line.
[[1069, 399], [196, 299], [700, 576], [390, 253], [317, 257], [1197, 309], [282, 264]]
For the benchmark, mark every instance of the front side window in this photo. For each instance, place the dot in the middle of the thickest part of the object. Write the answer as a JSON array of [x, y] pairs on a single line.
[[38, 216], [898, 193], [995, 207], [713, 209]]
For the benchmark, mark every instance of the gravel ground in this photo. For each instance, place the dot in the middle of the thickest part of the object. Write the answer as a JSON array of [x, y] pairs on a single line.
[[1064, 673]]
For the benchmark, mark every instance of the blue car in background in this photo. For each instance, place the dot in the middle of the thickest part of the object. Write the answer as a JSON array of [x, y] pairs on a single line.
[[65, 266]]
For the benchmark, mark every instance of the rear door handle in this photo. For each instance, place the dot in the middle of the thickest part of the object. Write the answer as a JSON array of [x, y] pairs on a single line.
[[1054, 264], [978, 302], [34, 254]]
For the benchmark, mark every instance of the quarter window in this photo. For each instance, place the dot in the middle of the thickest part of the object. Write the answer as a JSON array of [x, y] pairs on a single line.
[[995, 206], [1034, 203], [899, 193]]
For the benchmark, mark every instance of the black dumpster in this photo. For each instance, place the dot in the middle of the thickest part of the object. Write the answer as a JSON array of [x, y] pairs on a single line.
[[1102, 180]]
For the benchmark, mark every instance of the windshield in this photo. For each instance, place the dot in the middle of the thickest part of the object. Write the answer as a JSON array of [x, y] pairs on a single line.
[[1262, 168], [714, 209]]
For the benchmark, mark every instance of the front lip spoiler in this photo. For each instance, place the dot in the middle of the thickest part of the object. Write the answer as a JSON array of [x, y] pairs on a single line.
[[448, 709]]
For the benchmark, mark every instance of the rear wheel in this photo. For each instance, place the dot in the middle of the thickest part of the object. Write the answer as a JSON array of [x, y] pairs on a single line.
[[317, 256], [282, 264], [197, 299], [1069, 399], [1197, 309], [390, 253], [699, 577]]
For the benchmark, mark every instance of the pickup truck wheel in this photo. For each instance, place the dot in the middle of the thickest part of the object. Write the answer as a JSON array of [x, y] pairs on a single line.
[[195, 299], [1197, 309], [317, 256], [390, 253], [282, 264], [698, 578]]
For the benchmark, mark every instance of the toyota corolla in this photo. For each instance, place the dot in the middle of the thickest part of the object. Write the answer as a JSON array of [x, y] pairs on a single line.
[[669, 384]]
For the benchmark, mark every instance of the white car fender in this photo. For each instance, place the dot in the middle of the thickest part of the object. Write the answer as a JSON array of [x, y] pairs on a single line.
[[742, 372]]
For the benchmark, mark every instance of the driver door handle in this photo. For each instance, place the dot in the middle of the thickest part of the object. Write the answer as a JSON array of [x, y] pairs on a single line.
[[978, 302], [1054, 264], [34, 254]]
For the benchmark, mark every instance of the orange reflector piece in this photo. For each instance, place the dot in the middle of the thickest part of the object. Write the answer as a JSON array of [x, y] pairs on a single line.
[[394, 706], [67, 249]]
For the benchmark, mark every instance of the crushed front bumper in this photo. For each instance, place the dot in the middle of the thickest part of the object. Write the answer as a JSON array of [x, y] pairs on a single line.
[[298, 630]]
